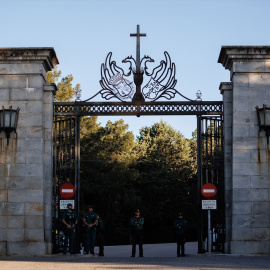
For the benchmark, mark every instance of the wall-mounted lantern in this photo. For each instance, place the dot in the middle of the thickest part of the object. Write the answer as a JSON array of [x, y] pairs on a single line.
[[8, 121], [263, 115]]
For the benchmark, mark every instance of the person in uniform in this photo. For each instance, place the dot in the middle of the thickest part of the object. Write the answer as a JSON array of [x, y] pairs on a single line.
[[70, 221], [180, 225], [136, 225], [100, 235], [90, 220]]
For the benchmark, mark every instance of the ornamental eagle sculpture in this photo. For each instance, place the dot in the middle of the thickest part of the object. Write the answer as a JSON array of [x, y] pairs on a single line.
[[160, 81]]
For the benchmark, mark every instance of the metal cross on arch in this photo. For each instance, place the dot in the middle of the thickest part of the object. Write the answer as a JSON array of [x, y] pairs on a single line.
[[138, 57]]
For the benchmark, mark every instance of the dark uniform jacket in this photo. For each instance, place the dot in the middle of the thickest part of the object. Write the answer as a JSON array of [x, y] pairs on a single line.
[[136, 224], [90, 218], [69, 217], [180, 225]]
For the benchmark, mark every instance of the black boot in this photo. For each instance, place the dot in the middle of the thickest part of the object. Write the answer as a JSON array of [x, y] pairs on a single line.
[[183, 251]]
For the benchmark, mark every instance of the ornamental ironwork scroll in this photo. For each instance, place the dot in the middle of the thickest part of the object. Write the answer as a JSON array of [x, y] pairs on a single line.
[[160, 81]]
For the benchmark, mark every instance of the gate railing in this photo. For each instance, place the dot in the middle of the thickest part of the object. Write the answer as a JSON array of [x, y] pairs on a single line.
[[211, 170], [144, 108], [66, 168]]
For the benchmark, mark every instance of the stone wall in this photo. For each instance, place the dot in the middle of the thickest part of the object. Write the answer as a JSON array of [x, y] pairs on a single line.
[[26, 163], [226, 91], [248, 230]]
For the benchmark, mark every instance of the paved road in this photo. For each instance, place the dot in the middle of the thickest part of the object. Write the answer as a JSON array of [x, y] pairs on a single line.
[[160, 256]]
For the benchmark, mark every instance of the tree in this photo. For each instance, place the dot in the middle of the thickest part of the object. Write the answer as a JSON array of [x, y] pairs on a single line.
[[65, 90], [88, 126], [156, 173], [106, 175], [167, 172]]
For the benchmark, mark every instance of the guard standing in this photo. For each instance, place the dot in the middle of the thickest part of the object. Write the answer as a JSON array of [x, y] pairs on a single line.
[[100, 235], [136, 224], [180, 225], [90, 221], [70, 221]]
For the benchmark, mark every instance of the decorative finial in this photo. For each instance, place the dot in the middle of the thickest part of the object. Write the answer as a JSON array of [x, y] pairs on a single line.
[[199, 95]]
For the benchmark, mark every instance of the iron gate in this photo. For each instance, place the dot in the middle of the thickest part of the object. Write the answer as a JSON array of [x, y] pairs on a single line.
[[211, 170], [209, 146], [66, 153]]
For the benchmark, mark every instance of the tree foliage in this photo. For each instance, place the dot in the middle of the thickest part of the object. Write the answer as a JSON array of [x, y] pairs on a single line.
[[106, 155], [65, 90], [168, 173], [155, 173]]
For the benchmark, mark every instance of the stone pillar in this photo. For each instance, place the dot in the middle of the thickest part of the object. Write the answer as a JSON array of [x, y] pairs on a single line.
[[249, 68], [226, 91], [26, 163]]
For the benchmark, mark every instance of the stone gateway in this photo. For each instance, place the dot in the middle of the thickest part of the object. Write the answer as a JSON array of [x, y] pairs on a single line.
[[26, 169]]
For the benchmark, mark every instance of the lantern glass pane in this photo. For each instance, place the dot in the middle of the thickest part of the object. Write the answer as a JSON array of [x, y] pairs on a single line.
[[13, 119], [267, 117], [261, 114], [7, 118]]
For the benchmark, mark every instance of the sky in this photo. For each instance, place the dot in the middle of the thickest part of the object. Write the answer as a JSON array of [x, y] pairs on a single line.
[[83, 32]]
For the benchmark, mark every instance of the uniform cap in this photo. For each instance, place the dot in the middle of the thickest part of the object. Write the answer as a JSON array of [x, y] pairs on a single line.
[[180, 214], [91, 206], [137, 211]]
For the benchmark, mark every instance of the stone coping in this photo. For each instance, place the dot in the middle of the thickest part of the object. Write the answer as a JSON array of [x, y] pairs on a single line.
[[46, 55], [229, 54]]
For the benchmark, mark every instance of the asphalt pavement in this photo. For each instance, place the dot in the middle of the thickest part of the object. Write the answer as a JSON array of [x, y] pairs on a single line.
[[156, 256]]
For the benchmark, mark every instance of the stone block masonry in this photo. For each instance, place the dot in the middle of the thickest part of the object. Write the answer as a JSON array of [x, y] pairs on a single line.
[[26, 163], [248, 228]]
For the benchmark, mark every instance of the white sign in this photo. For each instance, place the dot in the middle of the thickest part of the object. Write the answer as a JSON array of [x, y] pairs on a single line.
[[67, 190], [209, 204], [63, 204], [208, 190]]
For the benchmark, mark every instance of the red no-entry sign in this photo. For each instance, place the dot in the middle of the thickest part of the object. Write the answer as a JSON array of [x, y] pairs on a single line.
[[209, 191], [67, 191]]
